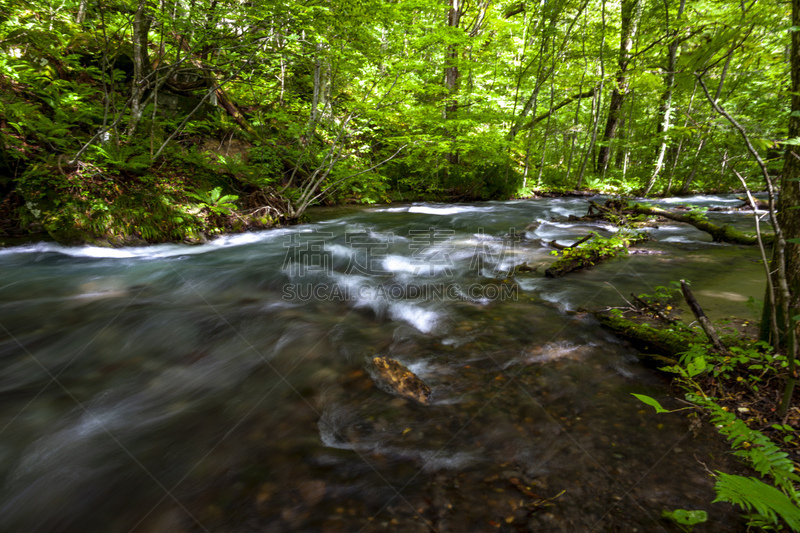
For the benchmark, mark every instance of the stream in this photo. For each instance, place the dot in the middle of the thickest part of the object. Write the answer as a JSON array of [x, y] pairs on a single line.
[[229, 386]]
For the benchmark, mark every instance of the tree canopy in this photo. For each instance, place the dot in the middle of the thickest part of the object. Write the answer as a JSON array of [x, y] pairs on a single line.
[[112, 112]]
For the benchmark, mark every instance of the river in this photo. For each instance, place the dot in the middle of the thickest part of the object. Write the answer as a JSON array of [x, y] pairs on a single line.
[[229, 386]]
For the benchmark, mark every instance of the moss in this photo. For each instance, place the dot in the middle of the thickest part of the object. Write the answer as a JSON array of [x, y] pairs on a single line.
[[657, 346], [597, 249]]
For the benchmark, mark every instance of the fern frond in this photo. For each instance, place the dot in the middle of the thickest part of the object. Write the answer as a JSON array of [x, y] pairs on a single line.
[[752, 494], [764, 455]]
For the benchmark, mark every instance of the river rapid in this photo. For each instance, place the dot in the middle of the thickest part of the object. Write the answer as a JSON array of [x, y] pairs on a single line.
[[229, 386]]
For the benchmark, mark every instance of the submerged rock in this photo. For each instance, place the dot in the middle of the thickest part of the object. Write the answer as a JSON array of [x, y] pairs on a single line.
[[396, 376]]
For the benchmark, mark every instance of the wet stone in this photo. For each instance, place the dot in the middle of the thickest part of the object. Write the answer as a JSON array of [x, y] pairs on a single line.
[[395, 375]]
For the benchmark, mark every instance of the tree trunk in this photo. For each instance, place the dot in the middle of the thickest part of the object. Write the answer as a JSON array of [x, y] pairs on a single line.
[[451, 77], [789, 214], [81, 11], [631, 13], [665, 110], [789, 222], [687, 183], [677, 154], [574, 133], [142, 20], [597, 99]]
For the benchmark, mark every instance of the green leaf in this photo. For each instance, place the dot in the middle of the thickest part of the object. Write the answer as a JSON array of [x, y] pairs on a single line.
[[754, 495], [697, 366], [685, 517], [652, 402]]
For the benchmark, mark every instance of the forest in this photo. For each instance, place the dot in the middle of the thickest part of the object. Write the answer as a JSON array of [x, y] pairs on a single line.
[[169, 121], [465, 142]]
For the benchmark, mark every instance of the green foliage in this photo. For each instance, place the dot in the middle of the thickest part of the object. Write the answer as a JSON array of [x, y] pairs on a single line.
[[768, 503], [686, 519], [601, 247], [123, 157], [215, 201], [664, 293], [756, 449], [752, 446], [362, 79], [652, 402]]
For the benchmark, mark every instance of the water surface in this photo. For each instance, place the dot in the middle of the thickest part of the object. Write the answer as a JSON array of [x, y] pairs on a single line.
[[228, 387]]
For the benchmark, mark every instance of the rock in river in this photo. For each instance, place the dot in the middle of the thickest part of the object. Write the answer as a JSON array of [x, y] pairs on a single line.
[[394, 375]]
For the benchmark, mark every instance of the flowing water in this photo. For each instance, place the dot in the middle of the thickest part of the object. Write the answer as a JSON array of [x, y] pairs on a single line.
[[229, 386]]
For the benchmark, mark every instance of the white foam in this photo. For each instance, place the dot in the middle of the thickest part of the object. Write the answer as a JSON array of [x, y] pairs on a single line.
[[449, 210], [155, 251], [422, 319], [436, 261], [699, 198], [387, 210], [679, 238]]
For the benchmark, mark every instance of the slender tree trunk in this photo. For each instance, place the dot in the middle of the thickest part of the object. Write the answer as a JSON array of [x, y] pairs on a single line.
[[578, 107], [541, 77], [626, 153], [547, 126], [598, 97], [142, 20], [665, 110], [696, 165], [452, 78], [573, 137], [631, 14], [677, 154], [81, 11], [318, 88], [532, 104]]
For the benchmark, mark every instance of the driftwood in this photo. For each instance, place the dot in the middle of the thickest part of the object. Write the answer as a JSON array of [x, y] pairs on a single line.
[[575, 244], [705, 323]]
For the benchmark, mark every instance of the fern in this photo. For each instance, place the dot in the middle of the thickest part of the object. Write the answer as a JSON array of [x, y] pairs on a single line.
[[754, 495], [752, 446]]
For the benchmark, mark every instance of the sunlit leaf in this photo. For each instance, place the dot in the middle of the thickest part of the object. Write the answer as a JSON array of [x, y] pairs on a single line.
[[652, 402]]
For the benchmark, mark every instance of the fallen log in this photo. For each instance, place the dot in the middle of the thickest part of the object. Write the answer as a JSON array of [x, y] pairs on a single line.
[[718, 233], [658, 347]]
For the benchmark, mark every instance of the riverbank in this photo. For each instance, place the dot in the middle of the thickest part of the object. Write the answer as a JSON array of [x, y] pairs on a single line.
[[179, 206]]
